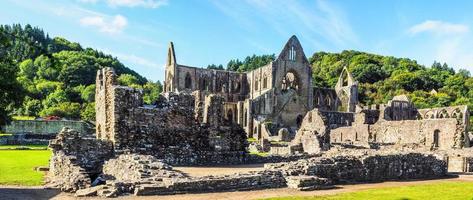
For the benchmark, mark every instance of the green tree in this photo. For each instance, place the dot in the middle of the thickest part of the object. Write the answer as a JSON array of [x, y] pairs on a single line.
[[28, 69], [88, 112], [151, 92], [11, 93]]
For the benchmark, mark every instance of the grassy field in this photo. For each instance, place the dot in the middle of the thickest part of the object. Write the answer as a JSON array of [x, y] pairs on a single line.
[[17, 166], [23, 118], [32, 146], [446, 190]]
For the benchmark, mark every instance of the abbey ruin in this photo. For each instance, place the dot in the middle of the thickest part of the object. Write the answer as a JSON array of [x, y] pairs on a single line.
[[316, 137]]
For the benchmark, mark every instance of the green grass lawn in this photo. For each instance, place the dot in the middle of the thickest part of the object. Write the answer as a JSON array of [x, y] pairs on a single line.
[[446, 190], [17, 166], [23, 117], [31, 146]]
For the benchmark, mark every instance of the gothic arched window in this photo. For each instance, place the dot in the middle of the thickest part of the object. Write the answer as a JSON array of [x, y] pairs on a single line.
[[188, 81]]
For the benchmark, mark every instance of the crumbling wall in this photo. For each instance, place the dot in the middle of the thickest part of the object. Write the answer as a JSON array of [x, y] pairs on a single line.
[[431, 134], [313, 135], [346, 168], [135, 168], [77, 158], [178, 128], [241, 181], [66, 173], [89, 152]]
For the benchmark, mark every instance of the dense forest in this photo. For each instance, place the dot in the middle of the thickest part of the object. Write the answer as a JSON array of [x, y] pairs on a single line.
[[43, 76]]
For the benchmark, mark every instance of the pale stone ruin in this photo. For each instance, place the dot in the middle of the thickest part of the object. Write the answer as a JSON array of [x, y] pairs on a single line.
[[317, 137]]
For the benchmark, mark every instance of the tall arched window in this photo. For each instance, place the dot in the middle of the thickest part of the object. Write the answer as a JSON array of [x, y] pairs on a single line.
[[436, 138], [265, 82], [188, 81]]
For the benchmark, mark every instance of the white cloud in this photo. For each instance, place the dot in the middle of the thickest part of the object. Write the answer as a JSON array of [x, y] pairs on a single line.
[[438, 27], [112, 25], [138, 3]]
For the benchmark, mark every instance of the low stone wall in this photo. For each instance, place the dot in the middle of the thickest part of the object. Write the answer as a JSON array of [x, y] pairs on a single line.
[[306, 183], [45, 127], [247, 181], [135, 168], [366, 168]]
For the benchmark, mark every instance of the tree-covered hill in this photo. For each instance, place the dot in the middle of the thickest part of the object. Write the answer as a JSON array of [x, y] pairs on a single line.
[[382, 77], [54, 76]]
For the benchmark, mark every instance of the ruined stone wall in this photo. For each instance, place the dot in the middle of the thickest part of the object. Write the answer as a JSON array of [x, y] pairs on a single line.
[[260, 80], [231, 85], [313, 135], [343, 168], [338, 119], [89, 152], [460, 113], [172, 129], [347, 91], [66, 173], [436, 133], [244, 181], [76, 159], [325, 99]]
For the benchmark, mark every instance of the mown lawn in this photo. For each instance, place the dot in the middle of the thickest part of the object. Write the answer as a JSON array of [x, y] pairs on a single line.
[[17, 166], [31, 146], [446, 190]]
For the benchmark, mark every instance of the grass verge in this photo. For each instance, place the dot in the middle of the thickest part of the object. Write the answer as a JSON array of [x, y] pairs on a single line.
[[17, 166], [446, 190], [23, 117], [24, 147]]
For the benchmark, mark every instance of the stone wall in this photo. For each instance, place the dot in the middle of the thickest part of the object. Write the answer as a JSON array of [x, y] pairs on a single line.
[[26, 132], [89, 152], [242, 181], [176, 129], [76, 159], [66, 173], [45, 126], [366, 168]]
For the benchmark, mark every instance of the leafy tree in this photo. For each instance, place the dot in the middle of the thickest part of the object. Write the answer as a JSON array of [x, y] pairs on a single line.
[[61, 44], [213, 66], [88, 112], [28, 69], [63, 109], [151, 92], [11, 93], [46, 69], [88, 93], [250, 63]]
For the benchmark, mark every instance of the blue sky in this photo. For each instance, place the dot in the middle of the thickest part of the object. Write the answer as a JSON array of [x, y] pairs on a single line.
[[206, 32]]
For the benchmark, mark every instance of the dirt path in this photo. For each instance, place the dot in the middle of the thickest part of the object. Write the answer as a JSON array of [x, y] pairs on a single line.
[[27, 193]]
